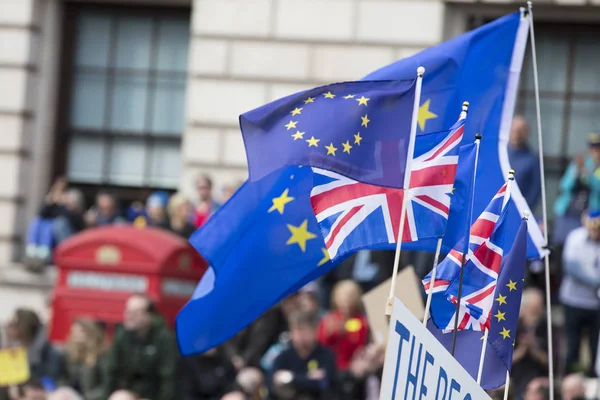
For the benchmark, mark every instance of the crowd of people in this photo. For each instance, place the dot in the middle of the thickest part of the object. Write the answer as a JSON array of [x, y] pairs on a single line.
[[315, 344]]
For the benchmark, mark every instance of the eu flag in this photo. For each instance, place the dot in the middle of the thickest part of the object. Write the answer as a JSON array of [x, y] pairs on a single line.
[[338, 127], [482, 67], [263, 244], [504, 319]]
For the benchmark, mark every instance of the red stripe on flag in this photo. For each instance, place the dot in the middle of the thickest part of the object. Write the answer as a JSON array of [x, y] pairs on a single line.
[[341, 224], [333, 197], [476, 299], [431, 201], [455, 137], [483, 228], [433, 176], [488, 258]]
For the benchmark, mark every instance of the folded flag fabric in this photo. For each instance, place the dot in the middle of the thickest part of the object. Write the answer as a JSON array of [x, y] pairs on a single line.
[[503, 325], [353, 215], [483, 253], [482, 67], [338, 127], [262, 244]]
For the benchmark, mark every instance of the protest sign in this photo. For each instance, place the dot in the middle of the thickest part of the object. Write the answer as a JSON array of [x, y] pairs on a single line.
[[14, 367], [417, 366]]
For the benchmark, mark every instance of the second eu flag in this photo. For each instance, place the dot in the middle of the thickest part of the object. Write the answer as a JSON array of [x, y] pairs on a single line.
[[340, 127]]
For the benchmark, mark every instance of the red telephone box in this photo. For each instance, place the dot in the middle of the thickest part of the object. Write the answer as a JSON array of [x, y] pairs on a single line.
[[100, 268]]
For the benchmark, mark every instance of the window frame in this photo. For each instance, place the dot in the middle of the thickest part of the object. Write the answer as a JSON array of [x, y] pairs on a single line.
[[64, 132]]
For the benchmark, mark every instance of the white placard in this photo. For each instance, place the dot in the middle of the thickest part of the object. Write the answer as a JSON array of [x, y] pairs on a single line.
[[417, 366]]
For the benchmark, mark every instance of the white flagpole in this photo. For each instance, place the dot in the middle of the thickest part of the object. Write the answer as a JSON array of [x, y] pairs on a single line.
[[439, 244], [406, 195], [506, 385], [544, 210], [432, 281], [482, 357]]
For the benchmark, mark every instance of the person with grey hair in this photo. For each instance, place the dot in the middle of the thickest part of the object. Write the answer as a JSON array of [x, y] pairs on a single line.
[[64, 393]]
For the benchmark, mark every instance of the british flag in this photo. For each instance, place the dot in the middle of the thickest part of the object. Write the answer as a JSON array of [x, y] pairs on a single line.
[[354, 215], [482, 267]]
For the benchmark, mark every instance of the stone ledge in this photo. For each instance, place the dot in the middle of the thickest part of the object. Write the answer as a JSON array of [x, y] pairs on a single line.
[[16, 275]]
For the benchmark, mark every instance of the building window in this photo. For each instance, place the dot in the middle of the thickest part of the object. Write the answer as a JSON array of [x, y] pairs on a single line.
[[125, 113], [568, 62]]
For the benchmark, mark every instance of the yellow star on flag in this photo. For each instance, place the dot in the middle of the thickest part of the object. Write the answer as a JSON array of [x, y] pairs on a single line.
[[298, 135], [424, 114], [280, 202], [329, 95], [347, 146], [362, 101], [331, 149], [365, 120], [313, 142], [309, 100], [350, 96], [357, 138], [501, 299], [325, 257], [505, 333], [300, 235], [296, 111], [500, 316], [512, 285], [291, 124]]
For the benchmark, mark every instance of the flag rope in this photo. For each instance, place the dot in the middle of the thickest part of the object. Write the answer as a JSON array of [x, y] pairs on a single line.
[[406, 194], [544, 209]]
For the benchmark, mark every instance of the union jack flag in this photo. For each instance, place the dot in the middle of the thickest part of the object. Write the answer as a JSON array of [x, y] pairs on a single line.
[[480, 277], [354, 215]]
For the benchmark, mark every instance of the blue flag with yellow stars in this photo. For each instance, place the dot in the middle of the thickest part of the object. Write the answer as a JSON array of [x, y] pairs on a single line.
[[340, 127], [503, 329], [262, 244], [482, 67]]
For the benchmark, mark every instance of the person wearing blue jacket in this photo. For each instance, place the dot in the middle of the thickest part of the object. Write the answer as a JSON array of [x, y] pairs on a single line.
[[579, 191]]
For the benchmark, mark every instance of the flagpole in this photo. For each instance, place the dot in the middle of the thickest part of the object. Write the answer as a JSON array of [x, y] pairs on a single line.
[[406, 194], [506, 385], [544, 209], [482, 357], [463, 259], [432, 280], [439, 244]]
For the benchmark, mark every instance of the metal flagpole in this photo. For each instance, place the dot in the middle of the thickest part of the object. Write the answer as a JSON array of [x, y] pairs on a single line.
[[482, 357], [544, 210], [406, 194], [467, 238]]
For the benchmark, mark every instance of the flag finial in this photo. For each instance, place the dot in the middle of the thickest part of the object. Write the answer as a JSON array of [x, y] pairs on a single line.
[[465, 106], [478, 136], [511, 175], [420, 71]]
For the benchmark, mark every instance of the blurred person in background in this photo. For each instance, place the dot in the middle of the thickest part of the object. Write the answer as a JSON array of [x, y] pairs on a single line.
[[579, 290], [537, 389], [25, 329], [83, 355], [104, 212], [524, 161], [236, 395], [363, 378], [246, 349], [207, 376], [60, 217], [306, 370], [65, 393], [144, 356], [573, 387], [530, 357], [345, 329], [123, 395], [229, 190], [155, 214], [308, 300], [33, 389], [206, 205], [179, 210], [252, 383], [579, 190]]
